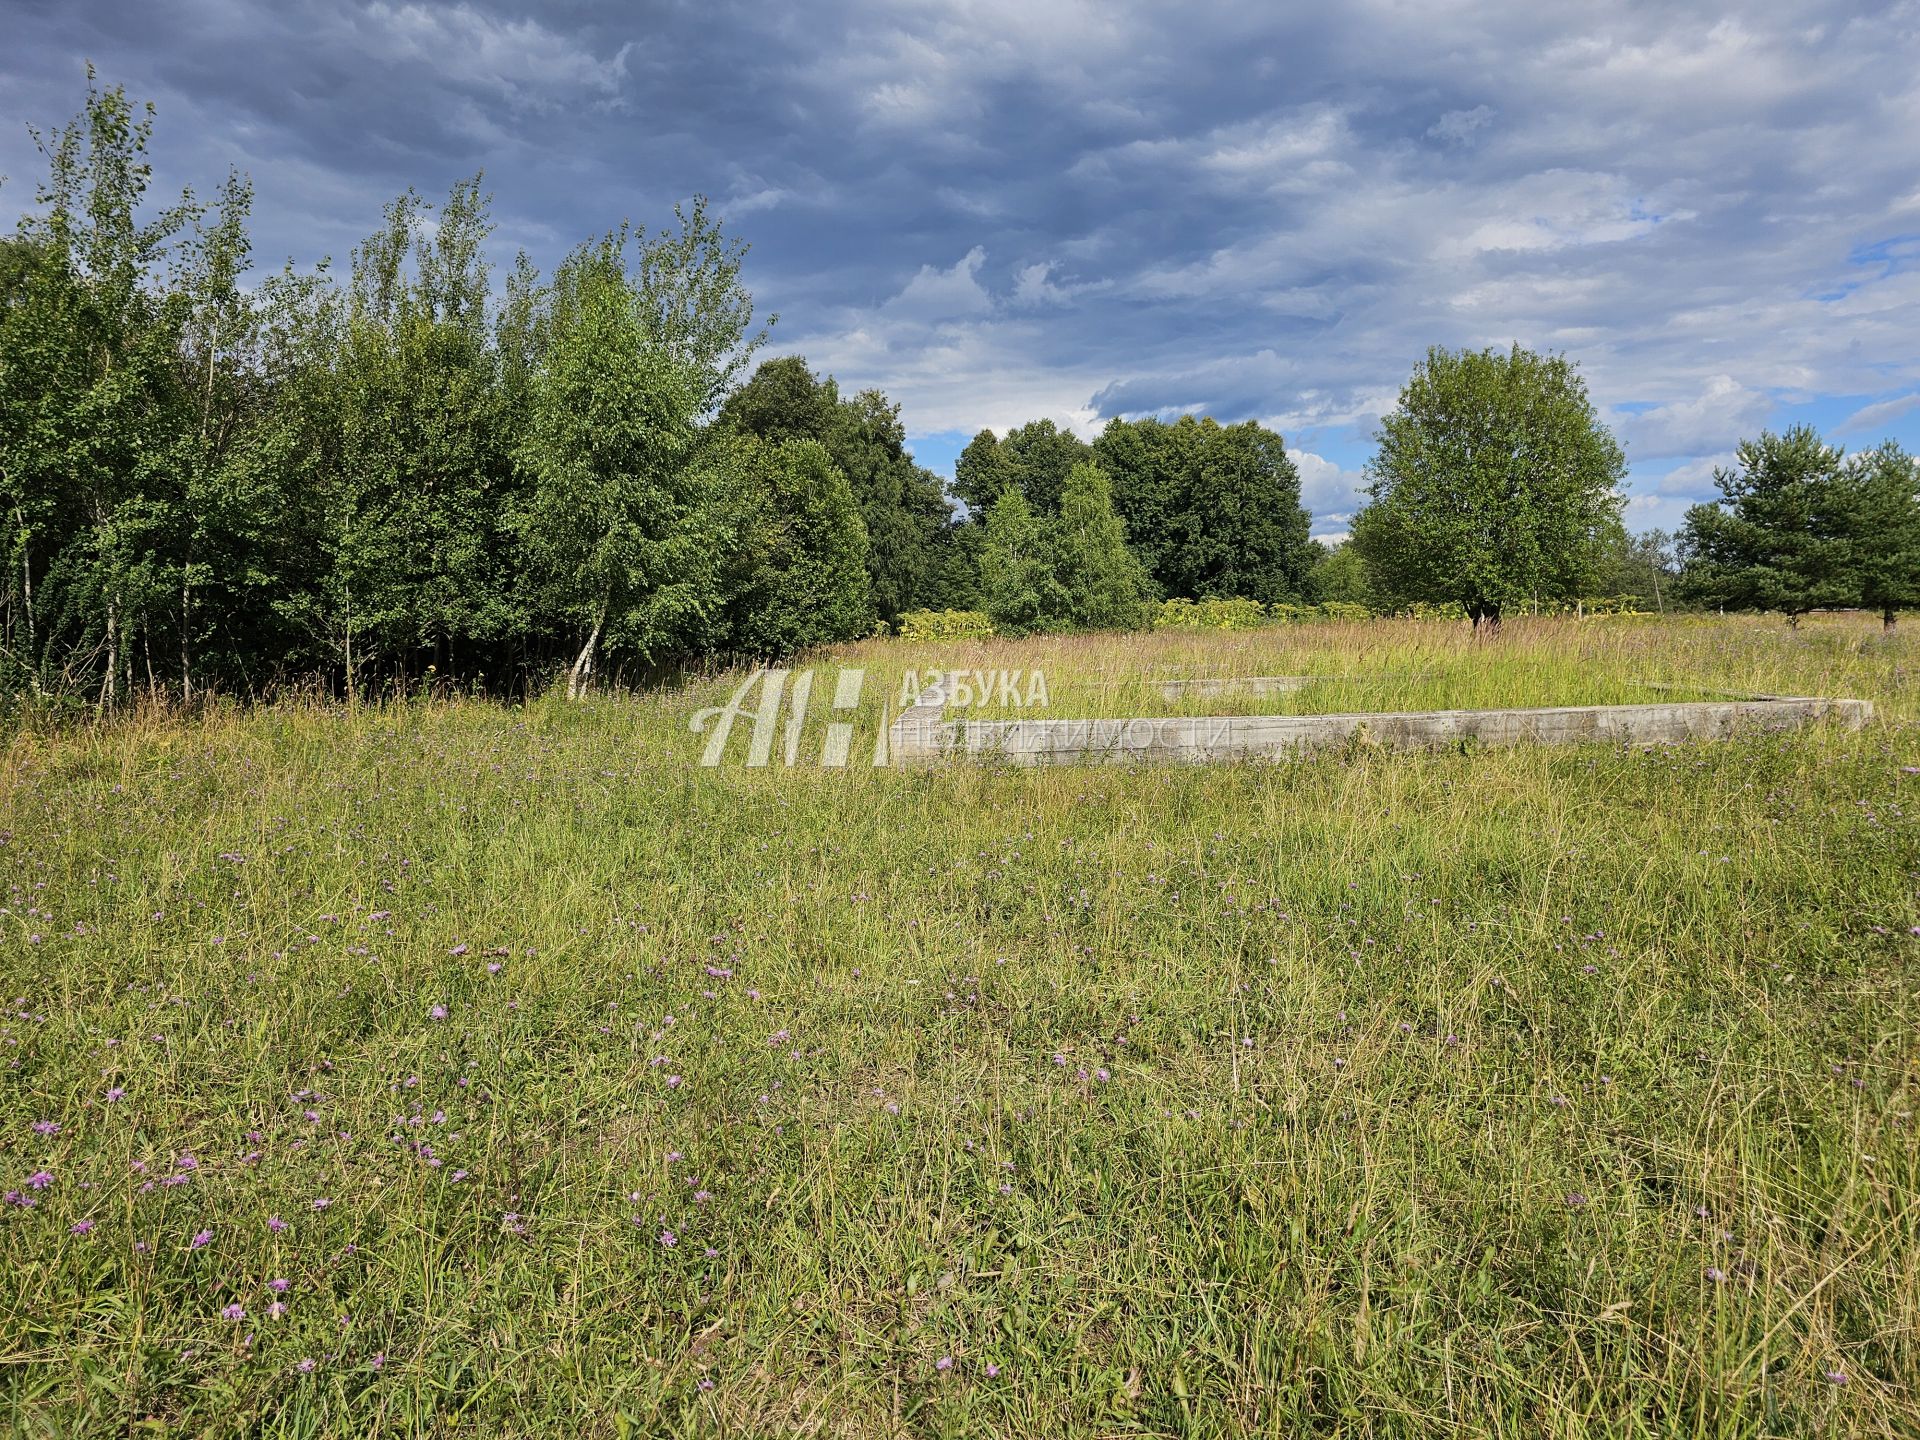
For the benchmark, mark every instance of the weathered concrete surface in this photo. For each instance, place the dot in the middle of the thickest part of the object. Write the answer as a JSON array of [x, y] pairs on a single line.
[[920, 736]]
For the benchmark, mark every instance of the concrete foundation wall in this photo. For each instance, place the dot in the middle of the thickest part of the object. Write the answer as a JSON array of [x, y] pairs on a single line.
[[920, 736]]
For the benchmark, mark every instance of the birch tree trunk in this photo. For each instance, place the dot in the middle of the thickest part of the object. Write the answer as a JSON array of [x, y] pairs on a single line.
[[583, 663]]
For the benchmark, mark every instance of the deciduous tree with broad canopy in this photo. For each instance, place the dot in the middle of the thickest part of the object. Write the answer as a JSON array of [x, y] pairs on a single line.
[[1493, 483]]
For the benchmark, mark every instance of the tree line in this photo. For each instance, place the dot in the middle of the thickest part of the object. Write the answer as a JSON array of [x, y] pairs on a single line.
[[1494, 485], [416, 469]]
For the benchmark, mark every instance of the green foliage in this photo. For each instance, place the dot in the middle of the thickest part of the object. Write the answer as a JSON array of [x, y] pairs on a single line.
[[1339, 576], [1881, 497], [1034, 459], [1329, 610], [946, 625], [215, 482], [1344, 610], [905, 510], [620, 541], [1428, 610], [1643, 567], [799, 547], [1019, 570], [1107, 588], [1778, 539], [1211, 509], [1800, 527], [96, 403], [1231, 613], [418, 460], [1493, 483]]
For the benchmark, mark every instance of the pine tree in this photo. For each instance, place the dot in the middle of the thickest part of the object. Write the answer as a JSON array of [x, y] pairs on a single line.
[[1778, 538], [1882, 490]]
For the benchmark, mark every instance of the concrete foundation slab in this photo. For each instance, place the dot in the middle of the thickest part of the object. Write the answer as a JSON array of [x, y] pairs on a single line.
[[921, 735]]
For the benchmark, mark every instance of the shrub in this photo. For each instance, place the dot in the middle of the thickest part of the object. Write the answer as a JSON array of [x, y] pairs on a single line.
[[1288, 613], [1237, 613], [1344, 610], [945, 625]]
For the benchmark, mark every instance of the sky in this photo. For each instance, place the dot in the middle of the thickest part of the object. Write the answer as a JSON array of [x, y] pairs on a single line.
[[1002, 210]]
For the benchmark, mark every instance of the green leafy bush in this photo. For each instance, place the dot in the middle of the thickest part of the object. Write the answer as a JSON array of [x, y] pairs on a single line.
[[1237, 613], [1291, 614], [945, 625]]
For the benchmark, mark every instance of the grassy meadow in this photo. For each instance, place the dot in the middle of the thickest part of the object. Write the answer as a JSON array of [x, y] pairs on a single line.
[[447, 1067]]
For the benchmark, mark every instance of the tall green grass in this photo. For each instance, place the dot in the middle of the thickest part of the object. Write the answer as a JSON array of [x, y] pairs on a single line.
[[1532, 1092]]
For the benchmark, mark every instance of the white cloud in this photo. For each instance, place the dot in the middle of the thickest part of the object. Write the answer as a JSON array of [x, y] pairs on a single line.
[[1702, 210], [944, 294], [1456, 127], [1558, 208], [1713, 419], [1330, 492], [524, 62], [1032, 287], [1884, 412]]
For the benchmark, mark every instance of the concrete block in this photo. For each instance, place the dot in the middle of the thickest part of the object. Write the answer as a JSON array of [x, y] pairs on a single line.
[[921, 736]]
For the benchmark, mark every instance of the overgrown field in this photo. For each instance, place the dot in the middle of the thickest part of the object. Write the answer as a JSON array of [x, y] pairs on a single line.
[[454, 1068]]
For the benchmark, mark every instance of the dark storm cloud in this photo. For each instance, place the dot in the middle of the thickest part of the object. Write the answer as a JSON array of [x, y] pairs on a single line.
[[998, 210]]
